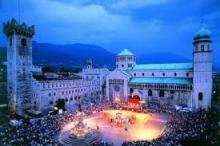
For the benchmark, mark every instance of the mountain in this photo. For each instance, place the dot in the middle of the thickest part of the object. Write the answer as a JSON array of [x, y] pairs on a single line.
[[71, 55], [75, 55]]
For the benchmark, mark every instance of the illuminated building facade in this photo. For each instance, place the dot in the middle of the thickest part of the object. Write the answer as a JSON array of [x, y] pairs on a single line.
[[188, 84]]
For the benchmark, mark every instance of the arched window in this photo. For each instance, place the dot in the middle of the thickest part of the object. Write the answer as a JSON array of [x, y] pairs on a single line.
[[23, 42], [202, 48], [51, 102], [175, 74], [161, 93], [150, 92], [200, 96], [163, 74]]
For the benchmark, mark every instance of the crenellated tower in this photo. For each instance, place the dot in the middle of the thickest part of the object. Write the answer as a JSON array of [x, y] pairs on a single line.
[[19, 65]]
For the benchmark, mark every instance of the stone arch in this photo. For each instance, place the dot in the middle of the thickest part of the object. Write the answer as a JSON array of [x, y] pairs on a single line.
[[137, 97]]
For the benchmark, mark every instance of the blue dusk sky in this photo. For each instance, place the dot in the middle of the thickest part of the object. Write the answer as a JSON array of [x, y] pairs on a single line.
[[143, 26]]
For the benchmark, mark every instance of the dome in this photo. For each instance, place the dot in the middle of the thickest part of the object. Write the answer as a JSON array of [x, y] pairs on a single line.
[[203, 32], [126, 52]]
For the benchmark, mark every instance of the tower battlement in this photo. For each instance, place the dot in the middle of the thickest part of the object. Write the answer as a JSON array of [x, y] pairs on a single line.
[[13, 27]]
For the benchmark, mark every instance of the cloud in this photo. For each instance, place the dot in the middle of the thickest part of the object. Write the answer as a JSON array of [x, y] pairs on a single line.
[[144, 26]]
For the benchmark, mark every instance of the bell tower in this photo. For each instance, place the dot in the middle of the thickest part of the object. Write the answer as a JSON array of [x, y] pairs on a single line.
[[125, 60], [19, 65], [202, 69]]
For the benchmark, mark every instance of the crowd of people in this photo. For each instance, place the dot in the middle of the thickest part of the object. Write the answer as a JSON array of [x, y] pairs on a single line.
[[181, 126], [44, 131]]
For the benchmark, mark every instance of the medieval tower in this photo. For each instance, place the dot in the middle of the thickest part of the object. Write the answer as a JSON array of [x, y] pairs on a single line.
[[19, 65]]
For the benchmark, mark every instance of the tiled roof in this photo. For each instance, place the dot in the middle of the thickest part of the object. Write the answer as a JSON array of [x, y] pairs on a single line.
[[161, 80], [125, 52], [170, 66]]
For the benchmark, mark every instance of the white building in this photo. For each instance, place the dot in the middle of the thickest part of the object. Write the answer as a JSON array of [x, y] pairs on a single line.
[[50, 87], [176, 83], [29, 89]]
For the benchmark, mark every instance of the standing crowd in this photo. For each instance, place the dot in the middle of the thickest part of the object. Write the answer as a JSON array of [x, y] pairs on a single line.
[[44, 131]]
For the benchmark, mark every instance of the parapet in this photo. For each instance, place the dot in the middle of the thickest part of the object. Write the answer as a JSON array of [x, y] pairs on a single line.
[[12, 27]]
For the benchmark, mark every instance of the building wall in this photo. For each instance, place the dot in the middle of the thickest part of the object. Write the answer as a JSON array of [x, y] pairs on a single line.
[[19, 65], [46, 93], [163, 73]]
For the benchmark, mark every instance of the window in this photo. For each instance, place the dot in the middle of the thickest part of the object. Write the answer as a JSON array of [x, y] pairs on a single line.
[[171, 92], [163, 74], [134, 74], [129, 65], [161, 93], [175, 74], [200, 96], [187, 74], [202, 48], [51, 102], [131, 90], [23, 42], [142, 74], [10, 41], [149, 92], [49, 94], [122, 65], [152, 74]]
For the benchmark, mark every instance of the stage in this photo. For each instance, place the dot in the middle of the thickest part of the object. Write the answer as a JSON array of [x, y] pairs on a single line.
[[116, 126]]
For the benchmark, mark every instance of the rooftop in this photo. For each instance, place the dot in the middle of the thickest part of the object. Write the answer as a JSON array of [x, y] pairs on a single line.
[[170, 66], [125, 52], [43, 77], [161, 80], [203, 32]]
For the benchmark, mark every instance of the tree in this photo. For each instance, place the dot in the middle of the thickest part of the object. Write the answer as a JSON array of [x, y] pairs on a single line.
[[46, 69]]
